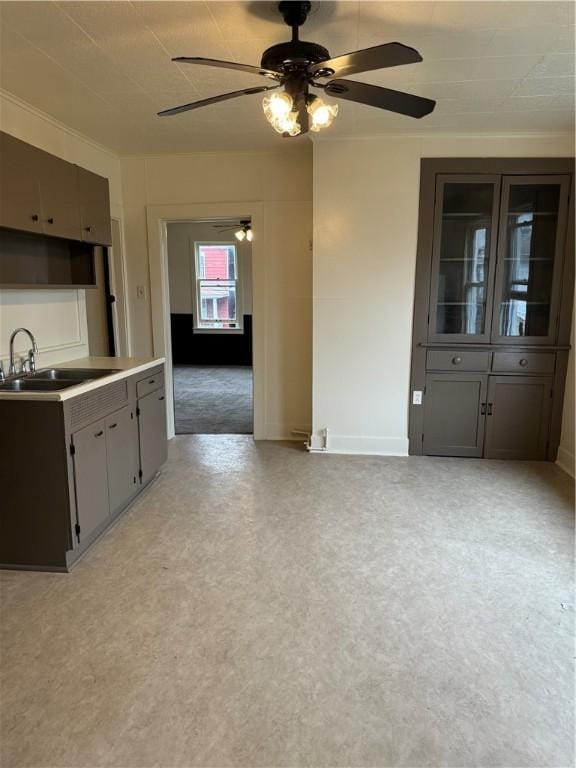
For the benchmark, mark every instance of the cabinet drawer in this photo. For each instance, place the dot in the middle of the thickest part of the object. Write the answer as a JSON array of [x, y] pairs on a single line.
[[524, 362], [152, 382], [457, 360]]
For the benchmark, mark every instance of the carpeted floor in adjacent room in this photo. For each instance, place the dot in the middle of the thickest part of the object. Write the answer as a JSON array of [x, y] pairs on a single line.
[[213, 400]]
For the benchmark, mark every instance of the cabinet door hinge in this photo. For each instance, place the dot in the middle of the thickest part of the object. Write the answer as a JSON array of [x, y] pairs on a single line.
[[140, 474], [72, 449], [77, 529]]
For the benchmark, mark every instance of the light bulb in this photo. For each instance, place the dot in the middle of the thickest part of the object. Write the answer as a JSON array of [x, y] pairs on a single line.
[[276, 106], [321, 114], [249, 235], [240, 235]]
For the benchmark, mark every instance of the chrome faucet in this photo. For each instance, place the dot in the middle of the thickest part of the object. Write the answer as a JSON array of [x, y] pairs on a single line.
[[31, 352]]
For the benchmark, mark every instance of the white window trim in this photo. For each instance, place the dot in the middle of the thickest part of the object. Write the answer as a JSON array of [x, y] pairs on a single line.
[[199, 329]]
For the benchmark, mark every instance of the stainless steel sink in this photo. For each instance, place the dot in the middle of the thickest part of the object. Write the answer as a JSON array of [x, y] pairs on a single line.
[[35, 385], [71, 374]]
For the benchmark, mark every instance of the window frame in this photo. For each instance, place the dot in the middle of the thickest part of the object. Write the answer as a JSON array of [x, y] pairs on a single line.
[[198, 327]]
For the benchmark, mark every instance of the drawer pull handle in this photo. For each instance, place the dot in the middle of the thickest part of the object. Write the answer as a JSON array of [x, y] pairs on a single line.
[[99, 434], [50, 220], [152, 381], [489, 409], [482, 409], [34, 217], [113, 426], [523, 362], [161, 398], [87, 229], [456, 360]]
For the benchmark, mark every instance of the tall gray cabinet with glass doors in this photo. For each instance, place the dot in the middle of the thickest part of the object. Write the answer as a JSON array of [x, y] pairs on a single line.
[[493, 307]]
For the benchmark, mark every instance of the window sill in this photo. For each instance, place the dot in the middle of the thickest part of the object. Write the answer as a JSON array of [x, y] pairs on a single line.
[[217, 331]]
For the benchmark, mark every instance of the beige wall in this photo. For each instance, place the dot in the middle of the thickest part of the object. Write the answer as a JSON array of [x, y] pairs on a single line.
[[56, 317], [181, 237], [365, 233], [282, 183]]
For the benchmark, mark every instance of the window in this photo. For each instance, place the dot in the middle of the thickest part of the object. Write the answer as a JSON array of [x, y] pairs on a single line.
[[216, 286]]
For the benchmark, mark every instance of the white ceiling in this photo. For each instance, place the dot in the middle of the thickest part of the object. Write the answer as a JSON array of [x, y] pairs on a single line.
[[104, 69]]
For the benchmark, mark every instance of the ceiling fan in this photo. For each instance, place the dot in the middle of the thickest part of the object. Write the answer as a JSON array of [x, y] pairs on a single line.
[[295, 66], [242, 229]]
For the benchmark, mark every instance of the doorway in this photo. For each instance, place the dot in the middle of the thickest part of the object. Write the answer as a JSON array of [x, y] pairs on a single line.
[[210, 294]]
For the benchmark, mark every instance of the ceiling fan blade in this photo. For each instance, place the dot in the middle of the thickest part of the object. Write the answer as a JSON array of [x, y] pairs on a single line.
[[228, 65], [383, 98], [378, 57], [215, 99]]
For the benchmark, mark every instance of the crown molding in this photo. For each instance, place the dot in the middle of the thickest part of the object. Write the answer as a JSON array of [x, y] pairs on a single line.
[[26, 106]]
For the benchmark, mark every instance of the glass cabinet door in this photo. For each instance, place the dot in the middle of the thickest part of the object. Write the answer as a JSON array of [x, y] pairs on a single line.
[[463, 259], [530, 251]]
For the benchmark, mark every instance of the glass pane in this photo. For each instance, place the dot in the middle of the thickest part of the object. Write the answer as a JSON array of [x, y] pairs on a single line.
[[532, 219], [217, 262], [218, 304], [464, 257]]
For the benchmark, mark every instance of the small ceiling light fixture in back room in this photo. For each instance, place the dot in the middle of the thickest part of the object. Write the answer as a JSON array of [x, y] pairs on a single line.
[[245, 232], [296, 66]]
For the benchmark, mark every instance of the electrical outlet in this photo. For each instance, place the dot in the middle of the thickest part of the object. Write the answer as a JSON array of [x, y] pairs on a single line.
[[140, 292], [417, 397]]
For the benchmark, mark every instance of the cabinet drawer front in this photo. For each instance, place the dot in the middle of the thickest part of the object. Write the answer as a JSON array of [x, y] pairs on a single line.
[[524, 362], [457, 360], [152, 382]]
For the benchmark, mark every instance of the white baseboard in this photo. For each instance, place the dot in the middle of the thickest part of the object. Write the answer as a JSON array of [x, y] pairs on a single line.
[[566, 461], [360, 445]]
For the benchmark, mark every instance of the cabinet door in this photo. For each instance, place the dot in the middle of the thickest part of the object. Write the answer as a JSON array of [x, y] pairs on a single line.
[[533, 221], [122, 457], [152, 432], [19, 187], [454, 408], [463, 257], [91, 477], [59, 197], [518, 417], [94, 207]]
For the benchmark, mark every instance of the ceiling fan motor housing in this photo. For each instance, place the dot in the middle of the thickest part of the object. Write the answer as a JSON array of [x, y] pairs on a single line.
[[296, 54]]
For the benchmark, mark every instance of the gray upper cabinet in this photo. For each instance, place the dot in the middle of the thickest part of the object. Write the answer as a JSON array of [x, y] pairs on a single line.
[[44, 194], [122, 457], [463, 257], [19, 186], [91, 477], [454, 416], [532, 227], [152, 431], [94, 207], [518, 417], [58, 197]]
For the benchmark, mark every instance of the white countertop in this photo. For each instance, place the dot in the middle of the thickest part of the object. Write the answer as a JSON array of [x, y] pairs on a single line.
[[125, 366]]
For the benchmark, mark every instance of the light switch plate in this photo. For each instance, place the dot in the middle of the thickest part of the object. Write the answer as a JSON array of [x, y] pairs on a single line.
[[417, 397]]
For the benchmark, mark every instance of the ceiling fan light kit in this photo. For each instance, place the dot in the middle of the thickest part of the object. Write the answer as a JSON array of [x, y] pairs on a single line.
[[295, 66]]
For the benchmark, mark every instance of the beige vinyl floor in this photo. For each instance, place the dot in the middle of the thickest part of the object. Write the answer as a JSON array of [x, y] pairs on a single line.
[[259, 606]]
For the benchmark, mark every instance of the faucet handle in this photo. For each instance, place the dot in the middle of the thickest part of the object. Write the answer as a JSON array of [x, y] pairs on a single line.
[[32, 358], [24, 361], [2, 374]]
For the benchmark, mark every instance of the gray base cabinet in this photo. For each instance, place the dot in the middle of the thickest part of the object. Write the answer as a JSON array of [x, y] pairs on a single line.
[[518, 414], [90, 477], [454, 417], [122, 457], [73, 466], [152, 431]]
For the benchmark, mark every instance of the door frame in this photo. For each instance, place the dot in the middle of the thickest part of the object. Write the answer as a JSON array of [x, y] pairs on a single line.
[[157, 217]]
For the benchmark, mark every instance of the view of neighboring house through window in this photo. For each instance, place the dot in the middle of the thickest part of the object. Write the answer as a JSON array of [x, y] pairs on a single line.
[[216, 286]]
